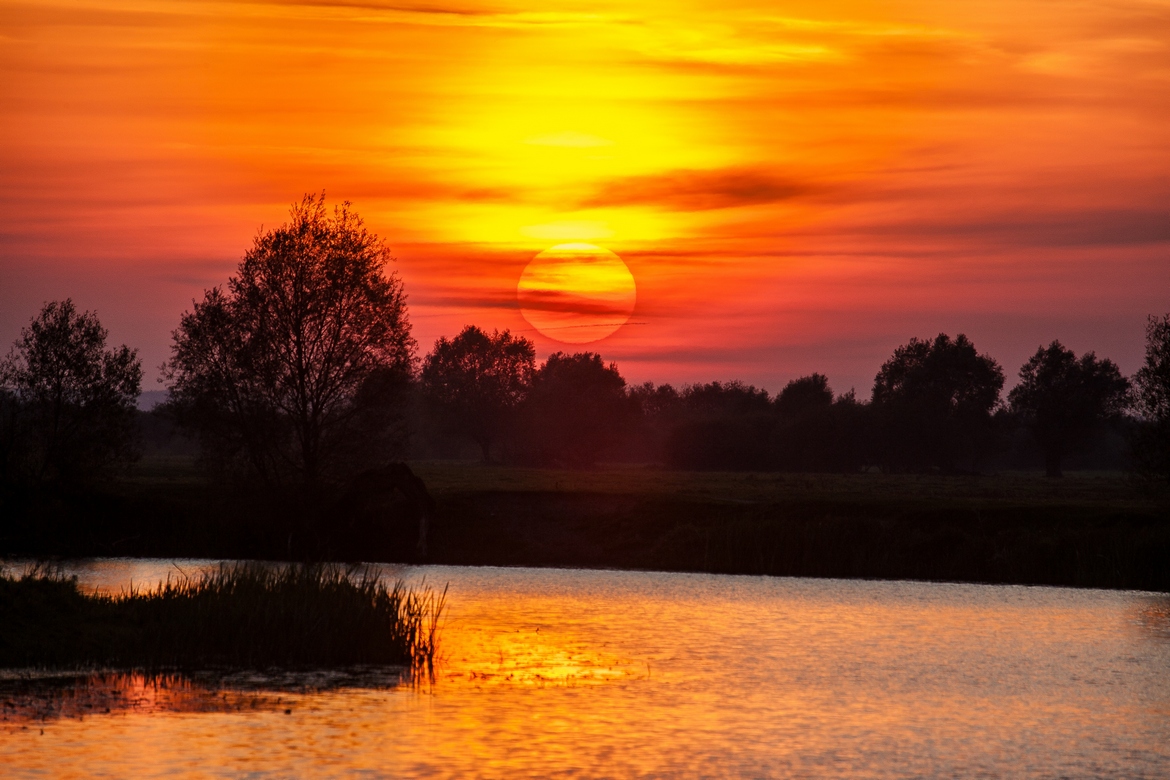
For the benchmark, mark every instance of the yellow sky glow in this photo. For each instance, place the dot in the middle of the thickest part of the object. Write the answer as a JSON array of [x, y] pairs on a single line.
[[796, 187], [576, 293]]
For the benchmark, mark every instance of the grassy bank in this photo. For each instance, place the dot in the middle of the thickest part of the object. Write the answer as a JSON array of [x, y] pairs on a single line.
[[1086, 530], [244, 617]]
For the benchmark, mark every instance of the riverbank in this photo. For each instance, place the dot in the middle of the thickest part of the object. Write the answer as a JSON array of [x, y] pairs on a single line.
[[1086, 530]]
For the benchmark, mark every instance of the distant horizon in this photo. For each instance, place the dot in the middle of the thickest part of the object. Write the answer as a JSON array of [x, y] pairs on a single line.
[[153, 384]]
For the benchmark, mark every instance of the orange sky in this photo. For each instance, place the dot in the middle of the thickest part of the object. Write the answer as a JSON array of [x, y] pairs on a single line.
[[796, 187]]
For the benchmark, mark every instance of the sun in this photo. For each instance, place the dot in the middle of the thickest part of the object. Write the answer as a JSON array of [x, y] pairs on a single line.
[[576, 293]]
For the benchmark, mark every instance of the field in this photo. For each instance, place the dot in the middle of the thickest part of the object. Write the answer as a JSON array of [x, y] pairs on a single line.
[[1087, 529], [1095, 530], [1088, 490]]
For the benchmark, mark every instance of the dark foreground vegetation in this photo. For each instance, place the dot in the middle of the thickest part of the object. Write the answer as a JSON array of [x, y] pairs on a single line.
[[243, 617], [1085, 530]]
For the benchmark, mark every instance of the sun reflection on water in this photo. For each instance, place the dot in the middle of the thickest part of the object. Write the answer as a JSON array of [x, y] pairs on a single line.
[[628, 674], [531, 657]]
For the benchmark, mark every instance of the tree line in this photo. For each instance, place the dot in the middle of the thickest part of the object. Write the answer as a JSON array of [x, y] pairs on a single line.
[[936, 406], [302, 370]]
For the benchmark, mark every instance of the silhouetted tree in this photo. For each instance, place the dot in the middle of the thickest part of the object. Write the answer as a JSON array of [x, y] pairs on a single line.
[[577, 409], [655, 401], [723, 425], [803, 395], [847, 435], [475, 382], [1061, 398], [1152, 443], [725, 398], [656, 410], [816, 432], [933, 401], [66, 402], [297, 372]]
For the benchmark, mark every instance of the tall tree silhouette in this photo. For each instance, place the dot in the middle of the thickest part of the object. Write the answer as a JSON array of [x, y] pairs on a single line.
[[1062, 397], [298, 369], [1153, 378], [577, 409], [933, 401], [475, 382], [68, 401], [1153, 384]]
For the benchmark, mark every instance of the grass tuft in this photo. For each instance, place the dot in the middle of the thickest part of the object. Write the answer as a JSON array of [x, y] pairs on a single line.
[[247, 616]]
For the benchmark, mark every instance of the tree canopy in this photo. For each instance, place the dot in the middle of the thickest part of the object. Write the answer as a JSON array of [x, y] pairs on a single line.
[[68, 401], [934, 400], [808, 393], [1153, 378], [476, 381], [1152, 446], [577, 409], [1061, 397], [297, 371], [717, 398]]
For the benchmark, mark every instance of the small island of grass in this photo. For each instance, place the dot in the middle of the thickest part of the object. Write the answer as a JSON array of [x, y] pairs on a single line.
[[248, 616]]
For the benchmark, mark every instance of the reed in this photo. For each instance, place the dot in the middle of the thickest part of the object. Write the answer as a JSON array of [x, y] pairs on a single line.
[[248, 616]]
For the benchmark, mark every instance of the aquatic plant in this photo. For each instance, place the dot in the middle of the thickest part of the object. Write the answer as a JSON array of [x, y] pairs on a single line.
[[251, 616]]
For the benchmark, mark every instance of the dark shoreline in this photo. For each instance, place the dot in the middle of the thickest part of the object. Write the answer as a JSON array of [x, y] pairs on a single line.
[[1094, 531]]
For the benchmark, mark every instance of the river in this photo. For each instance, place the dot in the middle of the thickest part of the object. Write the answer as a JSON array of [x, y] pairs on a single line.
[[560, 672]]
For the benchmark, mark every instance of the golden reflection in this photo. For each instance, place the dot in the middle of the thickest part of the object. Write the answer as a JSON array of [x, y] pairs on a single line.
[[598, 673], [528, 656], [45, 697], [80, 696], [1155, 617]]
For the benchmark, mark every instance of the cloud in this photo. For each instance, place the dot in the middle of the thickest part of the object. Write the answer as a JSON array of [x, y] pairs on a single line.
[[571, 303], [405, 8], [456, 301], [697, 190], [1083, 228]]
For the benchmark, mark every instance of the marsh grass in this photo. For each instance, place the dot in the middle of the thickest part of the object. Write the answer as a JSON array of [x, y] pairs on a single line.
[[247, 616]]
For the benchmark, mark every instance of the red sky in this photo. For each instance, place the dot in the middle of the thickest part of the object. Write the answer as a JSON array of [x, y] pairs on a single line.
[[796, 187]]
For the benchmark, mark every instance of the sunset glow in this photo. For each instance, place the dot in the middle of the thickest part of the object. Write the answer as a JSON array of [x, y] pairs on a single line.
[[576, 293], [796, 187]]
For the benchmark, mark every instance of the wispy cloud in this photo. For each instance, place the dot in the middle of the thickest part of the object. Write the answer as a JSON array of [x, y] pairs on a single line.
[[568, 303], [697, 190]]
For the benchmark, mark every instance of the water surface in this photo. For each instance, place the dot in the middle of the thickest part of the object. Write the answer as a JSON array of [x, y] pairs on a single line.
[[632, 674]]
